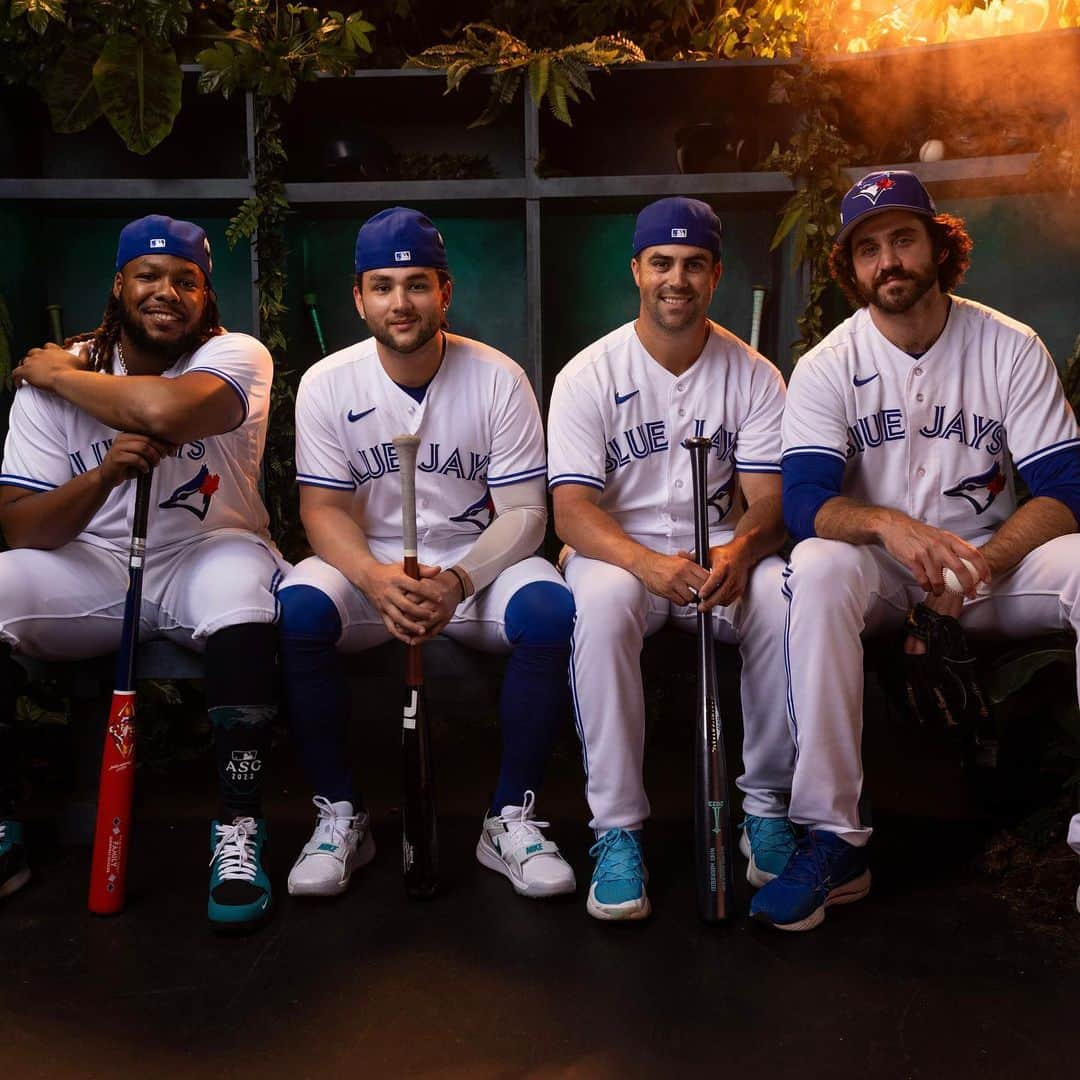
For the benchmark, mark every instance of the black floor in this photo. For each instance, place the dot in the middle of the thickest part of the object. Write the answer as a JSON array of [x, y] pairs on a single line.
[[931, 976]]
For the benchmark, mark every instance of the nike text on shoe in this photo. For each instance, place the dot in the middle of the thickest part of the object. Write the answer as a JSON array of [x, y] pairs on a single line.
[[14, 873], [617, 890], [824, 870], [341, 843], [512, 844], [768, 843], [240, 896]]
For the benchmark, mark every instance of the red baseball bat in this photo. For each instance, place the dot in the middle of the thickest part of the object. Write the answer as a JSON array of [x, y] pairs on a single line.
[[112, 834]]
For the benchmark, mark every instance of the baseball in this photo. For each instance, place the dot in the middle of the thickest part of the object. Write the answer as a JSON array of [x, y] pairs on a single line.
[[932, 150], [951, 581]]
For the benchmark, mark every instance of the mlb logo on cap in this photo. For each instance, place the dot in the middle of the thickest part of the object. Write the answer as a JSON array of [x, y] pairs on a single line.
[[402, 256], [678, 234], [157, 242]]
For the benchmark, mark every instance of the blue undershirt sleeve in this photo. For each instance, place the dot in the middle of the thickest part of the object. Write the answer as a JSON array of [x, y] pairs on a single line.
[[1056, 476], [810, 481]]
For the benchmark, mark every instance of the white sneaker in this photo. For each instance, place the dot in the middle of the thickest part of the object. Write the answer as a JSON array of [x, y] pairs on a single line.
[[341, 843], [512, 844]]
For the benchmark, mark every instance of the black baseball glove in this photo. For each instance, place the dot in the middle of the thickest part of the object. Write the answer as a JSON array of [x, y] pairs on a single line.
[[941, 685]]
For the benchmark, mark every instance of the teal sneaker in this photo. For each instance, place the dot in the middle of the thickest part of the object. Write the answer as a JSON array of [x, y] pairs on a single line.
[[14, 873], [768, 842], [618, 882], [239, 888]]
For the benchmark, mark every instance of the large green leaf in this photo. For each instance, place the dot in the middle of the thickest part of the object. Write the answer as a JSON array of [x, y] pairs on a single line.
[[139, 87], [70, 92]]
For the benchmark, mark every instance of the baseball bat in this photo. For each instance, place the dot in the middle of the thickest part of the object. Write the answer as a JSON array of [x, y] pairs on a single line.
[[419, 829], [712, 804], [311, 302], [755, 318], [55, 314], [112, 833]]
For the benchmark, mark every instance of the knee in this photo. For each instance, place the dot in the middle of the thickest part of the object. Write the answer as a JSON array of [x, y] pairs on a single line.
[[307, 612], [540, 613], [828, 570]]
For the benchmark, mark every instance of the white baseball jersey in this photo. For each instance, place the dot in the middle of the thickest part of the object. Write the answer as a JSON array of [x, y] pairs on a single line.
[[618, 418], [932, 436], [208, 485], [479, 428]]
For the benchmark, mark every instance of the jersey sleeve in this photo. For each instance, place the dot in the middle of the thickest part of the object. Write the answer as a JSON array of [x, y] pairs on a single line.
[[757, 448], [1038, 419], [241, 361], [320, 459], [575, 437], [36, 450], [815, 420], [517, 437]]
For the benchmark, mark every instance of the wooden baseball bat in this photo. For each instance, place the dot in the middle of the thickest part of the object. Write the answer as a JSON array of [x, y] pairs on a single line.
[[755, 318], [112, 833], [312, 304], [713, 870], [55, 314], [419, 827]]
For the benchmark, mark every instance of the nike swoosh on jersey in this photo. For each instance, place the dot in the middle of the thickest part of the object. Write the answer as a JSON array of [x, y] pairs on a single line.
[[353, 417], [869, 378], [620, 398]]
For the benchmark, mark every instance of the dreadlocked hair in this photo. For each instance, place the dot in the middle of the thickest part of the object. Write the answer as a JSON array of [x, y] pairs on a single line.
[[947, 233], [103, 340]]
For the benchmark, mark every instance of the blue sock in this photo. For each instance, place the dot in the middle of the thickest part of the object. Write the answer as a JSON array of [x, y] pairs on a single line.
[[535, 698], [315, 689]]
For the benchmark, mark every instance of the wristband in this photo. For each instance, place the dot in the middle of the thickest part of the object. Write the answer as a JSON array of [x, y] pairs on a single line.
[[461, 581]]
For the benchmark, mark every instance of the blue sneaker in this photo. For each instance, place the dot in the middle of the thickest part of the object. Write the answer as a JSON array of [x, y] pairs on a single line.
[[14, 873], [768, 842], [824, 870], [618, 882], [239, 888]]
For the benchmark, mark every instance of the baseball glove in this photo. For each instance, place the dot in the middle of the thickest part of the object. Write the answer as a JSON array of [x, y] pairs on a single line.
[[942, 685]]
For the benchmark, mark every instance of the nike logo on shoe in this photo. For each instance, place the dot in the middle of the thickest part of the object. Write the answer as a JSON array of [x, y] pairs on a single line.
[[353, 417], [869, 378], [620, 398]]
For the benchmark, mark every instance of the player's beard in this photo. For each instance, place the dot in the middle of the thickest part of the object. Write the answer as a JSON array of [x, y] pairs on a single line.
[[922, 281], [426, 328], [676, 321], [145, 342]]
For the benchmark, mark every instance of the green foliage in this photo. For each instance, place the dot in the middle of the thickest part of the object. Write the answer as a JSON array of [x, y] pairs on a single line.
[[814, 161], [558, 75]]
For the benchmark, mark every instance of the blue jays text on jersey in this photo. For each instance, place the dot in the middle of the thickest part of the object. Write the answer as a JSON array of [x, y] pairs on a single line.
[[379, 460], [651, 437], [888, 425]]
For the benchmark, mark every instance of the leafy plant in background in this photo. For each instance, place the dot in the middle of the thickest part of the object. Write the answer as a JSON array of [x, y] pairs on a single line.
[[558, 76], [814, 161]]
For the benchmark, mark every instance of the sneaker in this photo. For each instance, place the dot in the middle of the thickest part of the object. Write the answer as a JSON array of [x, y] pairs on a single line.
[[825, 870], [239, 888], [512, 844], [768, 843], [341, 843], [14, 873], [618, 882]]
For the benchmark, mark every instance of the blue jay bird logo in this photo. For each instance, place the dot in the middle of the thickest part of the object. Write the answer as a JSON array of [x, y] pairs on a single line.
[[720, 500], [980, 490], [481, 513], [195, 495]]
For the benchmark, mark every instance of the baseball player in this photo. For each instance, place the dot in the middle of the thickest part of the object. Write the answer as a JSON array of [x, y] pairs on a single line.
[[623, 502], [481, 515], [159, 385], [900, 435]]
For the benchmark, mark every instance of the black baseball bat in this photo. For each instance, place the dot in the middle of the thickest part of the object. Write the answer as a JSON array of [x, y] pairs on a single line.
[[312, 304], [419, 828], [55, 315], [713, 848], [112, 832]]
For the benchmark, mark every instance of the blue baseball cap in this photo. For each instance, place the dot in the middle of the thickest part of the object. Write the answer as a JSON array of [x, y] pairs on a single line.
[[678, 220], [399, 237], [880, 191], [156, 234]]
